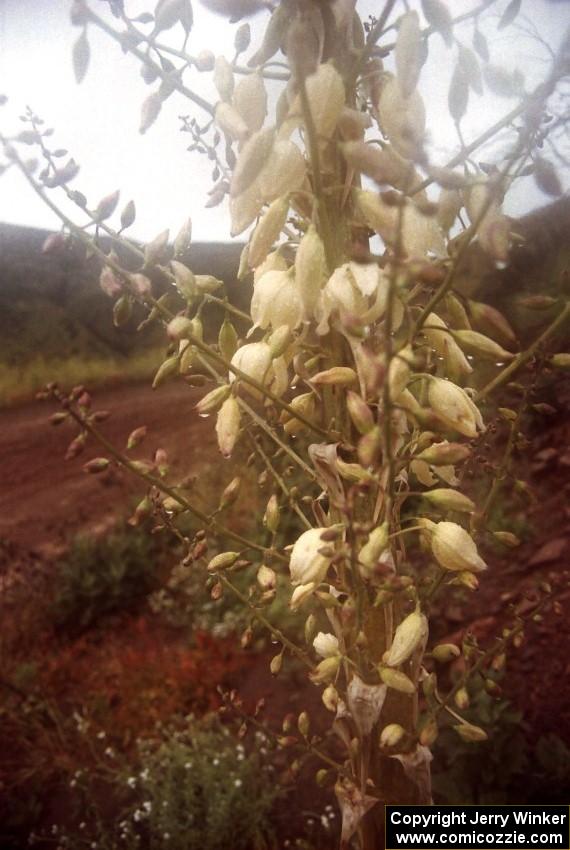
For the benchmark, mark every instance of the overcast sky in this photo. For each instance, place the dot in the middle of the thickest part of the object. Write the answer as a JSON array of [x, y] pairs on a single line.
[[98, 121]]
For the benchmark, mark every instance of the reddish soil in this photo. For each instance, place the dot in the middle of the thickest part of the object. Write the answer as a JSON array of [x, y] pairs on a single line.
[[44, 499]]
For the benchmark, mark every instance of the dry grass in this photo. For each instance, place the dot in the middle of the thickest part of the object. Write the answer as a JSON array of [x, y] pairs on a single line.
[[21, 383]]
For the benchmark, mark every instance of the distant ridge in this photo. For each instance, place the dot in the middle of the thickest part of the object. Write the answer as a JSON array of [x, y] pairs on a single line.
[[51, 304]]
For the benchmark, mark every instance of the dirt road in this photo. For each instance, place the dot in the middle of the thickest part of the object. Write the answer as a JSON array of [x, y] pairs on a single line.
[[45, 499]]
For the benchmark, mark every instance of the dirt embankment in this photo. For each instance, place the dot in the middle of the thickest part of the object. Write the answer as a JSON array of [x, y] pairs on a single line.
[[45, 499]]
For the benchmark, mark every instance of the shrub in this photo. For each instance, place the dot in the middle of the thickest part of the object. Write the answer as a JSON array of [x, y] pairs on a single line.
[[102, 575]]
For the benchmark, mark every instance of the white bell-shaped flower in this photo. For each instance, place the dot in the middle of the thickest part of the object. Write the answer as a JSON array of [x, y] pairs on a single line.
[[254, 360], [326, 645], [307, 564], [276, 301], [454, 549]]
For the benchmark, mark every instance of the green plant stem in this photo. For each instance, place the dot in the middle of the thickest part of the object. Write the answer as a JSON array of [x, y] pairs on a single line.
[[524, 356], [280, 482], [142, 57], [168, 490], [500, 645], [277, 633], [269, 431], [166, 314]]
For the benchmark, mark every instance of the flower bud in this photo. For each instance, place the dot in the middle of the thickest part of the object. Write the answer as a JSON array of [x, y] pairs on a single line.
[[301, 594], [212, 400], [180, 327], [477, 343], [470, 733], [399, 372], [467, 579], [267, 231], [454, 407], [326, 645], [271, 515], [402, 118], [454, 549], [326, 670], [205, 61], [410, 634], [330, 698], [275, 664], [325, 93], [445, 652], [369, 446], [250, 101], [230, 121], [397, 680], [252, 157], [560, 361], [310, 269], [444, 453], [391, 735], [136, 437], [230, 493], [222, 561], [307, 564], [96, 465], [336, 376], [449, 500], [428, 732], [359, 412], [374, 546], [305, 405], [440, 338], [285, 171], [223, 77], [227, 426], [164, 371], [409, 53], [279, 340], [491, 320], [266, 578], [462, 699], [304, 724], [507, 538]]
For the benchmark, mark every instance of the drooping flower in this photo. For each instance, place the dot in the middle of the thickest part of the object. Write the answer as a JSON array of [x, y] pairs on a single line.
[[254, 359], [326, 645], [276, 301], [411, 632], [454, 407], [307, 564], [454, 549]]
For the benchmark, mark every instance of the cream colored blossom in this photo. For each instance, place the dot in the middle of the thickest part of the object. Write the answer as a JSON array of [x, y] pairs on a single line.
[[454, 549], [326, 645], [454, 407], [276, 301], [306, 563]]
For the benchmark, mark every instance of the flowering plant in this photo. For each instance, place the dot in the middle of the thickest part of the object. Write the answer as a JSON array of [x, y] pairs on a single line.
[[355, 375]]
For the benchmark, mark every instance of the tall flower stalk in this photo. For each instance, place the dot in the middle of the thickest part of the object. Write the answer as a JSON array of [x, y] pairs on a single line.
[[355, 374]]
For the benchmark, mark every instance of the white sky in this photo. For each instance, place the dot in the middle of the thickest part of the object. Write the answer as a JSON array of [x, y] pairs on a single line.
[[98, 121]]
